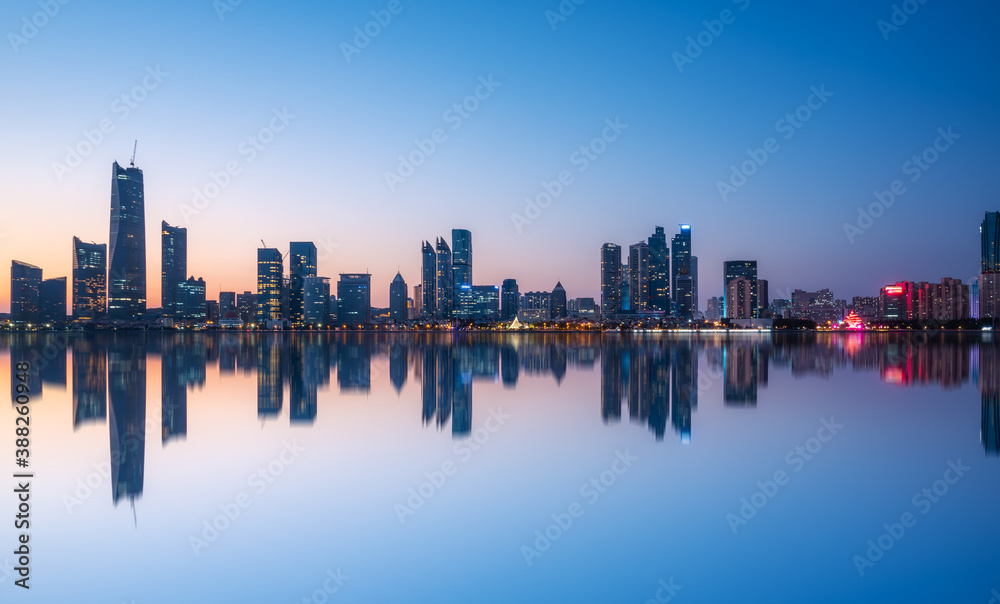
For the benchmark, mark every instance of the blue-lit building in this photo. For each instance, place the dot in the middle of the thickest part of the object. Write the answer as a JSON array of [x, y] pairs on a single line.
[[354, 299], [190, 305], [397, 300], [316, 301], [428, 282], [127, 267], [990, 235], [173, 265], [301, 265], [680, 256], [478, 303], [461, 259]]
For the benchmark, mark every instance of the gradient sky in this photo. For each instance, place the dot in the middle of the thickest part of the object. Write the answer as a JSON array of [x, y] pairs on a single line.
[[323, 177]]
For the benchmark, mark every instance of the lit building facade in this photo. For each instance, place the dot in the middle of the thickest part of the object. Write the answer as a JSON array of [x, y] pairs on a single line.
[[127, 253], [270, 272], [25, 292], [740, 269], [301, 265], [611, 277], [354, 299], [90, 289], [173, 265]]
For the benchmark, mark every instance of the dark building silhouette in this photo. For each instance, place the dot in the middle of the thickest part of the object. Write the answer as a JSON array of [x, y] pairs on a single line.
[[510, 300], [659, 271], [558, 302], [611, 280], [397, 300], [428, 281], [127, 265], [52, 305], [461, 261], [173, 266], [445, 294], [354, 299], [990, 235], [25, 292]]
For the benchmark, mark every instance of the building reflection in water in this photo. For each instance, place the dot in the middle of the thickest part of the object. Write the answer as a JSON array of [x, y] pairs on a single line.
[[656, 377]]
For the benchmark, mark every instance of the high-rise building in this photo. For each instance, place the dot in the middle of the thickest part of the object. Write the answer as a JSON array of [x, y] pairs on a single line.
[[397, 300], [418, 301], [536, 306], [694, 284], [127, 264], [316, 301], [246, 306], [25, 292], [684, 295], [428, 284], [270, 270], [90, 290], [611, 279], [638, 274], [227, 302], [354, 301], [461, 259], [301, 264], [52, 305], [445, 294], [558, 302], [659, 271], [974, 299], [740, 269], [898, 302], [763, 299], [190, 303], [989, 296], [865, 307], [990, 234], [510, 299], [173, 265], [740, 300], [713, 309], [680, 255]]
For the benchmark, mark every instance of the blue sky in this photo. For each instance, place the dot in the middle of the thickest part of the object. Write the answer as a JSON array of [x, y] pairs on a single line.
[[322, 177]]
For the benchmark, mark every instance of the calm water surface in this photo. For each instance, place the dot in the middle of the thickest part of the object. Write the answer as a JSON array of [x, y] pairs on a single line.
[[523, 468]]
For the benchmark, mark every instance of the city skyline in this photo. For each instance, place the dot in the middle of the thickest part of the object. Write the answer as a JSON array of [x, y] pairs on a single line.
[[689, 121]]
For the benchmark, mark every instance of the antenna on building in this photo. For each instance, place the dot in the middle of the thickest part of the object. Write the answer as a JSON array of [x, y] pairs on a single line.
[[134, 147]]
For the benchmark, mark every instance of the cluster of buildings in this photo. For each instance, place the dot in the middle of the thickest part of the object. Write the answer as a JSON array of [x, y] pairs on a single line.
[[653, 280]]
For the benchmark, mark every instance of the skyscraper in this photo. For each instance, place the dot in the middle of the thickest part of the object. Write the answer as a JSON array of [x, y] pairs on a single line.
[[680, 249], [740, 269], [990, 234], [510, 299], [301, 264], [270, 270], [461, 259], [227, 302], [611, 262], [190, 302], [397, 300], [316, 301], [52, 305], [660, 284], [558, 302], [739, 299], [428, 284], [445, 294], [25, 292], [173, 265], [90, 291], [693, 269], [683, 294], [127, 269], [354, 299], [638, 274]]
